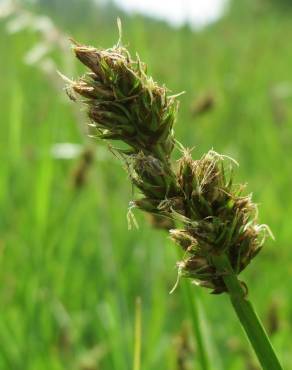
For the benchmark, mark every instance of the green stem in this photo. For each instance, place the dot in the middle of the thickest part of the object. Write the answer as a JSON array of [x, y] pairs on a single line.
[[194, 313], [137, 336], [247, 316]]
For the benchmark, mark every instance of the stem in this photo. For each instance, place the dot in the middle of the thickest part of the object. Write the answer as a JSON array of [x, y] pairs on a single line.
[[247, 316], [194, 313], [137, 336]]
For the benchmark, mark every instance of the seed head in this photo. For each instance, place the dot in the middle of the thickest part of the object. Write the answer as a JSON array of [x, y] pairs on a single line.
[[208, 215], [225, 220], [124, 103]]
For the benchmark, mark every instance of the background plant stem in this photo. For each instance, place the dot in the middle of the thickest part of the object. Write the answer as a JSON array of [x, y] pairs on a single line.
[[194, 314], [137, 335]]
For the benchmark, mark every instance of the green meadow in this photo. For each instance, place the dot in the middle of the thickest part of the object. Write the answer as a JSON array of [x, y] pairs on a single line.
[[71, 271]]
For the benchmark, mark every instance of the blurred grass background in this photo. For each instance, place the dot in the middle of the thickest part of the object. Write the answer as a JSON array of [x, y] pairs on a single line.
[[70, 270]]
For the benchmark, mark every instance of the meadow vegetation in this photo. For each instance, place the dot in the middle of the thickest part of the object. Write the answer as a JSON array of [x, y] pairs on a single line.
[[70, 270]]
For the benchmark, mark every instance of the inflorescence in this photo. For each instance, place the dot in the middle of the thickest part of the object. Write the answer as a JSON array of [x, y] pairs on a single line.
[[210, 214]]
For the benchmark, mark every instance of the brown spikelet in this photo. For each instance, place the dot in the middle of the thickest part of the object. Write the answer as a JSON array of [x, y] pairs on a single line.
[[214, 216]]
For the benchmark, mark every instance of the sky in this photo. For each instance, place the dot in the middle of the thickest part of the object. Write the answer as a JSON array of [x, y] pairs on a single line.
[[197, 13]]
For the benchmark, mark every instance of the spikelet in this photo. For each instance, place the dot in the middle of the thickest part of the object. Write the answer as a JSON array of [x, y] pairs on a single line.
[[124, 103], [213, 215]]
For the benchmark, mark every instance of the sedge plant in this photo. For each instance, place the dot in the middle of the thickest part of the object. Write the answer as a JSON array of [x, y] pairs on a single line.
[[215, 223]]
